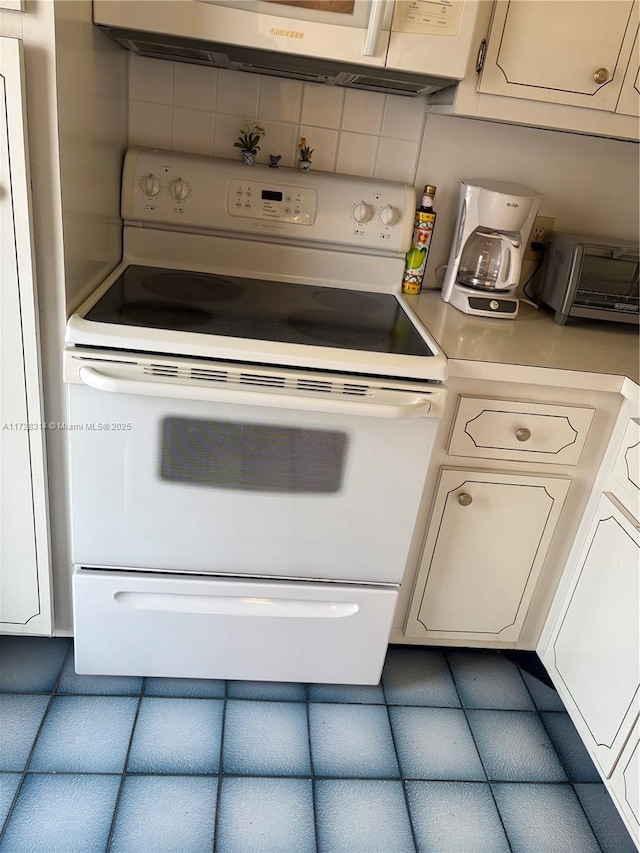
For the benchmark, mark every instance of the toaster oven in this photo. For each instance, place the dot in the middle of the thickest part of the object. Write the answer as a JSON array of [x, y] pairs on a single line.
[[593, 277]]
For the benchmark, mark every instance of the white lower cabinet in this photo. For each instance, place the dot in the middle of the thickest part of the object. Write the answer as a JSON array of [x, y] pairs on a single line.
[[594, 650], [625, 782], [25, 593], [486, 544]]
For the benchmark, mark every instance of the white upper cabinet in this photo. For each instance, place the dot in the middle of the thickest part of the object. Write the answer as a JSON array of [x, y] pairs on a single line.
[[630, 92], [564, 52], [565, 65]]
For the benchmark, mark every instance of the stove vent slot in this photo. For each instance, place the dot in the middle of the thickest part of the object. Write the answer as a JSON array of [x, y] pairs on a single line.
[[262, 379], [161, 370], [357, 390], [208, 375], [314, 385]]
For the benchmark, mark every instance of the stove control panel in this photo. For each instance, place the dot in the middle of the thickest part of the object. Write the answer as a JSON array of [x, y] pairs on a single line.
[[189, 192], [275, 202]]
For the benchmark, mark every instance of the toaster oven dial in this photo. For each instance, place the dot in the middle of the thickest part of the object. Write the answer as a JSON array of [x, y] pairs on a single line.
[[362, 212], [150, 186], [389, 215], [179, 189]]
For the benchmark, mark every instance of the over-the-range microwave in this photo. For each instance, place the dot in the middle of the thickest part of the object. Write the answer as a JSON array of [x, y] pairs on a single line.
[[409, 47], [591, 277]]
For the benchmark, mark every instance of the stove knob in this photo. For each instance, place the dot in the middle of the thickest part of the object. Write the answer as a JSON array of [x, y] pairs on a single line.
[[389, 215], [362, 212], [179, 189], [150, 186]]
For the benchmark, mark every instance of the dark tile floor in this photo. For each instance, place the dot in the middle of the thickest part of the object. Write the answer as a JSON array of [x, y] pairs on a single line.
[[454, 752]]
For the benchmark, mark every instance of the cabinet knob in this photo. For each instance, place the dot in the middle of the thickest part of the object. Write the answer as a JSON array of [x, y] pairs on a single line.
[[523, 434], [601, 75], [464, 499]]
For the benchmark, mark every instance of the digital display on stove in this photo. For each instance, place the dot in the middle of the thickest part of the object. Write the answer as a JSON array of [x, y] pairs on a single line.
[[271, 195]]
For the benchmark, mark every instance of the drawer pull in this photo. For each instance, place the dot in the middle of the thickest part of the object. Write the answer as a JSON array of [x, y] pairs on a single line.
[[464, 499], [523, 434]]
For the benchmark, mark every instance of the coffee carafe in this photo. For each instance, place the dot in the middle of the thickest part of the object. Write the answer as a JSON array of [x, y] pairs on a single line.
[[494, 222]]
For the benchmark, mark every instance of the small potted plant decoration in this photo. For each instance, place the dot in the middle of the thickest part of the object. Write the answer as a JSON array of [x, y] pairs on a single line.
[[305, 155], [248, 141]]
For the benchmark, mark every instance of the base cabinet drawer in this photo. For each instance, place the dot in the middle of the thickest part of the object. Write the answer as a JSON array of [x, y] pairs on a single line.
[[265, 630], [486, 542], [520, 431]]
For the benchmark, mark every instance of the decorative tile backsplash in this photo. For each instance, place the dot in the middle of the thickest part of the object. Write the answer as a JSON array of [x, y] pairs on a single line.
[[201, 110]]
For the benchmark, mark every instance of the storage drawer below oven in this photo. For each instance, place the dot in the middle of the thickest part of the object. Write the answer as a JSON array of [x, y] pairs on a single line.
[[129, 623]]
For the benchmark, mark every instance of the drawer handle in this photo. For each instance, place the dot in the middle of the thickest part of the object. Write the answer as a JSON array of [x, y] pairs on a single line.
[[464, 499], [523, 434], [601, 75]]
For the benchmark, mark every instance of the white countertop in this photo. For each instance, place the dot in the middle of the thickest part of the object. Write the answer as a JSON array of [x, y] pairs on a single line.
[[602, 355]]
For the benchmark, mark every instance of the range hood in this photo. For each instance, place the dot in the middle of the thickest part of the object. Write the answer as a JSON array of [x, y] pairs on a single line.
[[293, 66]]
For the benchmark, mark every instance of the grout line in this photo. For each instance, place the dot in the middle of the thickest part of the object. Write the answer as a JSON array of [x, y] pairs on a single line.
[[423, 130], [124, 767], [568, 774], [51, 695], [311, 767], [225, 698], [403, 780], [484, 769]]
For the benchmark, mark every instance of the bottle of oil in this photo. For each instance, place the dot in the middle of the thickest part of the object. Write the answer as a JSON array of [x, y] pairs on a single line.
[[417, 255]]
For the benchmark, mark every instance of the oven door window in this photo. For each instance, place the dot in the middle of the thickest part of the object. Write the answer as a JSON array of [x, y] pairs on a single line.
[[251, 456]]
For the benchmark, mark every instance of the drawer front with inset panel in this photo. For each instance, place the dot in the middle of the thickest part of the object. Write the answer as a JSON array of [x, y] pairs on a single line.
[[520, 431]]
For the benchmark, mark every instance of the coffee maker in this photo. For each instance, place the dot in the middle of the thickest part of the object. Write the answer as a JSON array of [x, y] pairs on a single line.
[[495, 219]]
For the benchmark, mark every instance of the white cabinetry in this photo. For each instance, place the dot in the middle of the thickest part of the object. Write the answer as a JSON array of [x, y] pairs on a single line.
[[570, 65], [629, 100], [591, 646], [487, 540], [561, 52], [25, 596], [490, 530]]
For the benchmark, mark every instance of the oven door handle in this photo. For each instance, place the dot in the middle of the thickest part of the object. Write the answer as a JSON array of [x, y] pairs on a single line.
[[417, 405]]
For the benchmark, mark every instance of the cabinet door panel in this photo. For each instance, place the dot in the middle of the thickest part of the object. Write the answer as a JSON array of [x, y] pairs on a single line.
[[626, 470], [594, 650], [552, 51], [487, 539], [25, 602], [629, 102], [625, 783]]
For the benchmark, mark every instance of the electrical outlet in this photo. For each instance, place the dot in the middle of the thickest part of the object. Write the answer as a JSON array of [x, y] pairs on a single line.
[[542, 227]]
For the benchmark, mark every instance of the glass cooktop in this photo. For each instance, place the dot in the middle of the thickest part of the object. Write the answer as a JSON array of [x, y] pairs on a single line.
[[209, 304]]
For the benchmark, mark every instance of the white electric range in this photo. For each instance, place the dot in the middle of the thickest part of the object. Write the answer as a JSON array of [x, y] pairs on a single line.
[[252, 406]]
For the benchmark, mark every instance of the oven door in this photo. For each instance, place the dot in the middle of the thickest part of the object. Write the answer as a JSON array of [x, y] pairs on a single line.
[[245, 480]]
